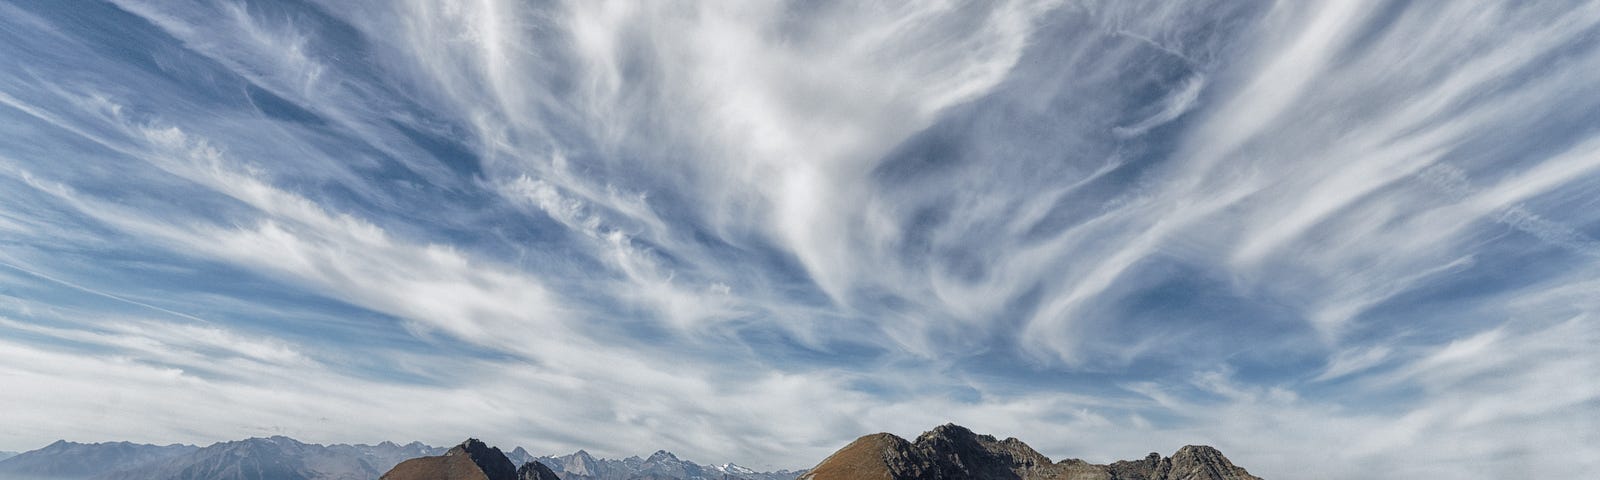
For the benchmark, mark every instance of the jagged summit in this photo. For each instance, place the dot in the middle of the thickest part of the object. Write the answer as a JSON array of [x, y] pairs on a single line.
[[536, 471], [472, 460], [952, 452]]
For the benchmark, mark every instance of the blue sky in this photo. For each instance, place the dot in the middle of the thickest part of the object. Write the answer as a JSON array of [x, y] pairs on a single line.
[[1338, 237]]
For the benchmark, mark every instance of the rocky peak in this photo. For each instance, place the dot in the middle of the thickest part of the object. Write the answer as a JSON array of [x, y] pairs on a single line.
[[735, 469], [661, 456], [947, 433], [1203, 462], [491, 460], [471, 460], [580, 463], [536, 471], [951, 452]]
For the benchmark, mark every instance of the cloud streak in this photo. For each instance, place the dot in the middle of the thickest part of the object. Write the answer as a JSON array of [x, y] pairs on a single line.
[[751, 231]]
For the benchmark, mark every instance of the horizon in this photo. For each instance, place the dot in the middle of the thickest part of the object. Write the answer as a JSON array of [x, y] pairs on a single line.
[[506, 450], [1343, 237], [513, 448]]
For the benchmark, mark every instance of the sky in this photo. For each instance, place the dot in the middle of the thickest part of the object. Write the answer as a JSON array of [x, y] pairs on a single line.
[[1333, 239]]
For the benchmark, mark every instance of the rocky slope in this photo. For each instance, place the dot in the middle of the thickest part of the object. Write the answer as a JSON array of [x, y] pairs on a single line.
[[471, 460], [535, 471], [951, 452], [65, 460]]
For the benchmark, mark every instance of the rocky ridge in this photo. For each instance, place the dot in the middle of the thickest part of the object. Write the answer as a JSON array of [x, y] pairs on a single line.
[[72, 460], [951, 452], [662, 464], [471, 460], [284, 458], [276, 458]]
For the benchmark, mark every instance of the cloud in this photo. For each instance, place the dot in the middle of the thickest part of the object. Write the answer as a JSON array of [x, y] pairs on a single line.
[[750, 232]]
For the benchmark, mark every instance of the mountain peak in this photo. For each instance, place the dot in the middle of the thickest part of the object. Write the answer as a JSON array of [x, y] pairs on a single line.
[[952, 451], [471, 460], [64, 459], [662, 456], [734, 469], [536, 471], [948, 430]]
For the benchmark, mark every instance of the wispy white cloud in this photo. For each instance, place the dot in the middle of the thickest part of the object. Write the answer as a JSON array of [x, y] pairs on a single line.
[[751, 231]]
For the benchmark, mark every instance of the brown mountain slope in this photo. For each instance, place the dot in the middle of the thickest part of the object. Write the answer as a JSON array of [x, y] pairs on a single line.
[[951, 452], [867, 458], [471, 460]]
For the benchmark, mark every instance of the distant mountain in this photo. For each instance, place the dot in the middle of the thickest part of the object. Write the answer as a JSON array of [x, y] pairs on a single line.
[[276, 458], [5, 455], [951, 452], [662, 465], [284, 458], [65, 460]]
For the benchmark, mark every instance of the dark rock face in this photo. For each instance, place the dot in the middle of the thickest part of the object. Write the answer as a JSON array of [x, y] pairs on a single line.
[[471, 460], [65, 460], [951, 452], [494, 464], [536, 471]]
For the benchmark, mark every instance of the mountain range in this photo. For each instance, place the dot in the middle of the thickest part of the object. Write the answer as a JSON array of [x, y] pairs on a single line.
[[284, 458], [471, 460], [661, 464], [952, 452], [71, 460], [948, 452]]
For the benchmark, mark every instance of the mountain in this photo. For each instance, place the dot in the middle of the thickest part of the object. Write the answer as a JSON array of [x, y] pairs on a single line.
[[65, 460], [663, 465], [283, 458], [535, 471], [5, 455], [951, 452], [471, 460], [276, 458]]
